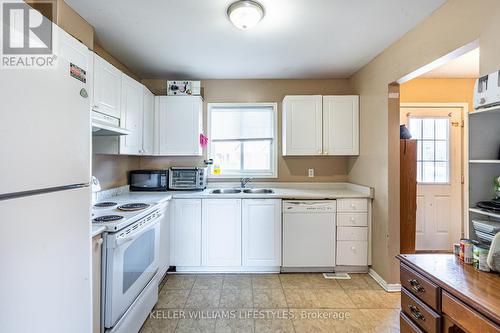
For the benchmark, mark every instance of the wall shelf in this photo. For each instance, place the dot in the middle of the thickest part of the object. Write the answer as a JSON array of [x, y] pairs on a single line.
[[485, 161], [483, 212]]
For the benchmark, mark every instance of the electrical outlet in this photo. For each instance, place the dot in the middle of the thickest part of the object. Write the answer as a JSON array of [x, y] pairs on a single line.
[[311, 173]]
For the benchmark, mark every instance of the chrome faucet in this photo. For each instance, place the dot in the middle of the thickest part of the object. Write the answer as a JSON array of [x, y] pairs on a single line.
[[244, 182]]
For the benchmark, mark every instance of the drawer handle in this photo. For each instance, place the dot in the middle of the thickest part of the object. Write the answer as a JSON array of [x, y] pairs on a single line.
[[415, 312], [415, 285]]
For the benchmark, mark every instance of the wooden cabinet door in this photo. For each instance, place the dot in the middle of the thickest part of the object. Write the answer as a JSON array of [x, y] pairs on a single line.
[[261, 234], [131, 116], [186, 236], [221, 232], [179, 125], [340, 125], [148, 122], [107, 87], [302, 125]]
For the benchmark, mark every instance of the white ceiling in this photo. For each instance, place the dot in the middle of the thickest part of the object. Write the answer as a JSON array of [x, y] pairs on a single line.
[[296, 39], [465, 66]]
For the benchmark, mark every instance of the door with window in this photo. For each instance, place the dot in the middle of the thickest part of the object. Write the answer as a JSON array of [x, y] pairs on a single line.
[[242, 140], [438, 132]]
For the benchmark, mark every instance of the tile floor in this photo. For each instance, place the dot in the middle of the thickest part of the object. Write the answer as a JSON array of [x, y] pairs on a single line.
[[273, 303]]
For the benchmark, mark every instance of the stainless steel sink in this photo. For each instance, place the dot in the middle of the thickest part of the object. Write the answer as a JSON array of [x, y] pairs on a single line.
[[226, 191], [258, 191]]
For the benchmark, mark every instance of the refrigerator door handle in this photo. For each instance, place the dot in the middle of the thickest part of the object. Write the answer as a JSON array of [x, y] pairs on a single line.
[[8, 196]]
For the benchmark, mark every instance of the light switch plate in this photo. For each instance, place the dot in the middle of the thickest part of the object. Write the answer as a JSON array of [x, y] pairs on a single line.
[[311, 173]]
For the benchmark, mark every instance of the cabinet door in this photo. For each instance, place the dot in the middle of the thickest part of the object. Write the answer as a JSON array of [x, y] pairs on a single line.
[[340, 125], [164, 256], [148, 123], [131, 116], [302, 125], [221, 232], [179, 125], [186, 236], [107, 87], [261, 232]]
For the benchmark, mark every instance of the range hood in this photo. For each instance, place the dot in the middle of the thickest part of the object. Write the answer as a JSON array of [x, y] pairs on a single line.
[[104, 125]]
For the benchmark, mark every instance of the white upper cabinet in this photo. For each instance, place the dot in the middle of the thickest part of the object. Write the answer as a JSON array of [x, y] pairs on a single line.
[[185, 234], [148, 122], [221, 232], [107, 87], [131, 116], [261, 232], [302, 125], [320, 125], [340, 125], [178, 125]]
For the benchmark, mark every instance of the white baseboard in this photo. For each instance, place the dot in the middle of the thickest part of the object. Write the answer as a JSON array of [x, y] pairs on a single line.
[[389, 287]]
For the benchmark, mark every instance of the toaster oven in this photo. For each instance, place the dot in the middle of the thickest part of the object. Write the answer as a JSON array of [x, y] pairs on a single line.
[[187, 178]]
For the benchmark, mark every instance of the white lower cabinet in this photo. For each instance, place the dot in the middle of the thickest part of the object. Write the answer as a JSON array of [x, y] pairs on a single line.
[[352, 232], [221, 232], [186, 232], [261, 232], [164, 256]]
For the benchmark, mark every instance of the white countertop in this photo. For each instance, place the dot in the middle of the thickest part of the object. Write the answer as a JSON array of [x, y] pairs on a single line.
[[97, 230]]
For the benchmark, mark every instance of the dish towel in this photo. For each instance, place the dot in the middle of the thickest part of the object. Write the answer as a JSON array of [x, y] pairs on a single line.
[[203, 140]]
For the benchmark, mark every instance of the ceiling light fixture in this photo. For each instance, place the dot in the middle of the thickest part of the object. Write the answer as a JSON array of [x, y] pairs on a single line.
[[245, 14]]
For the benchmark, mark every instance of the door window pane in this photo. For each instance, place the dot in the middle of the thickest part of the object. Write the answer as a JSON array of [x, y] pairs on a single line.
[[433, 148]]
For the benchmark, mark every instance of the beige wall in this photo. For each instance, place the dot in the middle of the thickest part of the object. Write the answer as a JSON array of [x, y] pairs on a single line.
[[111, 170], [456, 23], [438, 91], [289, 168]]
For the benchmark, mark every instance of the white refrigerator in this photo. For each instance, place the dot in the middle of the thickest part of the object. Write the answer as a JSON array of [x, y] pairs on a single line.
[[45, 200]]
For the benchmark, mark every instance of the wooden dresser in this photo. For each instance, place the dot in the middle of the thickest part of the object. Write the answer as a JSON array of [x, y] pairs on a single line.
[[441, 294]]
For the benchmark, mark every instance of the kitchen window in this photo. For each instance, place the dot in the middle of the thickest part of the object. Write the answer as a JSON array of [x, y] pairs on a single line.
[[433, 148], [242, 140]]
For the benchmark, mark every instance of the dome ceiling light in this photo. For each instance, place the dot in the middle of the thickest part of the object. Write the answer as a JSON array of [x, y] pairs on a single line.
[[245, 14]]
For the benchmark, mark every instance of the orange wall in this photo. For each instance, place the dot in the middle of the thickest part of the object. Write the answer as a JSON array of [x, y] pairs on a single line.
[[438, 90]]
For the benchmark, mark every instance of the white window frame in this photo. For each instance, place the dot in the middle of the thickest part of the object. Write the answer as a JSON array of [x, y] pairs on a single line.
[[274, 143]]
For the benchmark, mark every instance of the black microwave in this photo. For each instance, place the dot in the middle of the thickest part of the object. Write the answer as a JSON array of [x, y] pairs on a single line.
[[148, 180]]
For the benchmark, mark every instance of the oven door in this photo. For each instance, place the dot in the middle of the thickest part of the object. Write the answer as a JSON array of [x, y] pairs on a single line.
[[131, 262]]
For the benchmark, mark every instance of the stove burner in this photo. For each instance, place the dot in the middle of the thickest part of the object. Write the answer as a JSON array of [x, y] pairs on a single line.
[[107, 218], [133, 206], [105, 204]]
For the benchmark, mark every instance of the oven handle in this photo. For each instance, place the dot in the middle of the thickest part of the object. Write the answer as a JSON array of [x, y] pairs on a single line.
[[136, 234]]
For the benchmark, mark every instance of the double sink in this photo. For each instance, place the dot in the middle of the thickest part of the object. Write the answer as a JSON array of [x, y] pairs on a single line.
[[245, 190]]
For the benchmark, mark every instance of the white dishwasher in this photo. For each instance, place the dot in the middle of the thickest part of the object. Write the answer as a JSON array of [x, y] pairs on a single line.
[[309, 236]]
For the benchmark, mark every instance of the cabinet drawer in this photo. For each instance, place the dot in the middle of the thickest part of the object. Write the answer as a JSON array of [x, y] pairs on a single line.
[[352, 219], [420, 313], [352, 233], [352, 205], [465, 316], [352, 253], [406, 325], [419, 286]]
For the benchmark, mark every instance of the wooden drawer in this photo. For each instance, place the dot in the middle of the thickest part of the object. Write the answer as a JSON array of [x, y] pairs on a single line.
[[352, 205], [352, 253], [352, 219], [420, 313], [406, 325], [352, 233], [419, 286], [464, 316]]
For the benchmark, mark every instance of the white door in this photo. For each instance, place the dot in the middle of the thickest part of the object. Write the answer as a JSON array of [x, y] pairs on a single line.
[[302, 125], [179, 125], [107, 87], [148, 122], [45, 122], [45, 257], [221, 232], [439, 175], [261, 234], [340, 125], [186, 236], [131, 116]]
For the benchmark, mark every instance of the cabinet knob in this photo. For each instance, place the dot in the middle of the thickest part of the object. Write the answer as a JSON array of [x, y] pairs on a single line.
[[319, 152], [353, 248], [353, 206], [95, 106], [352, 219], [325, 153]]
